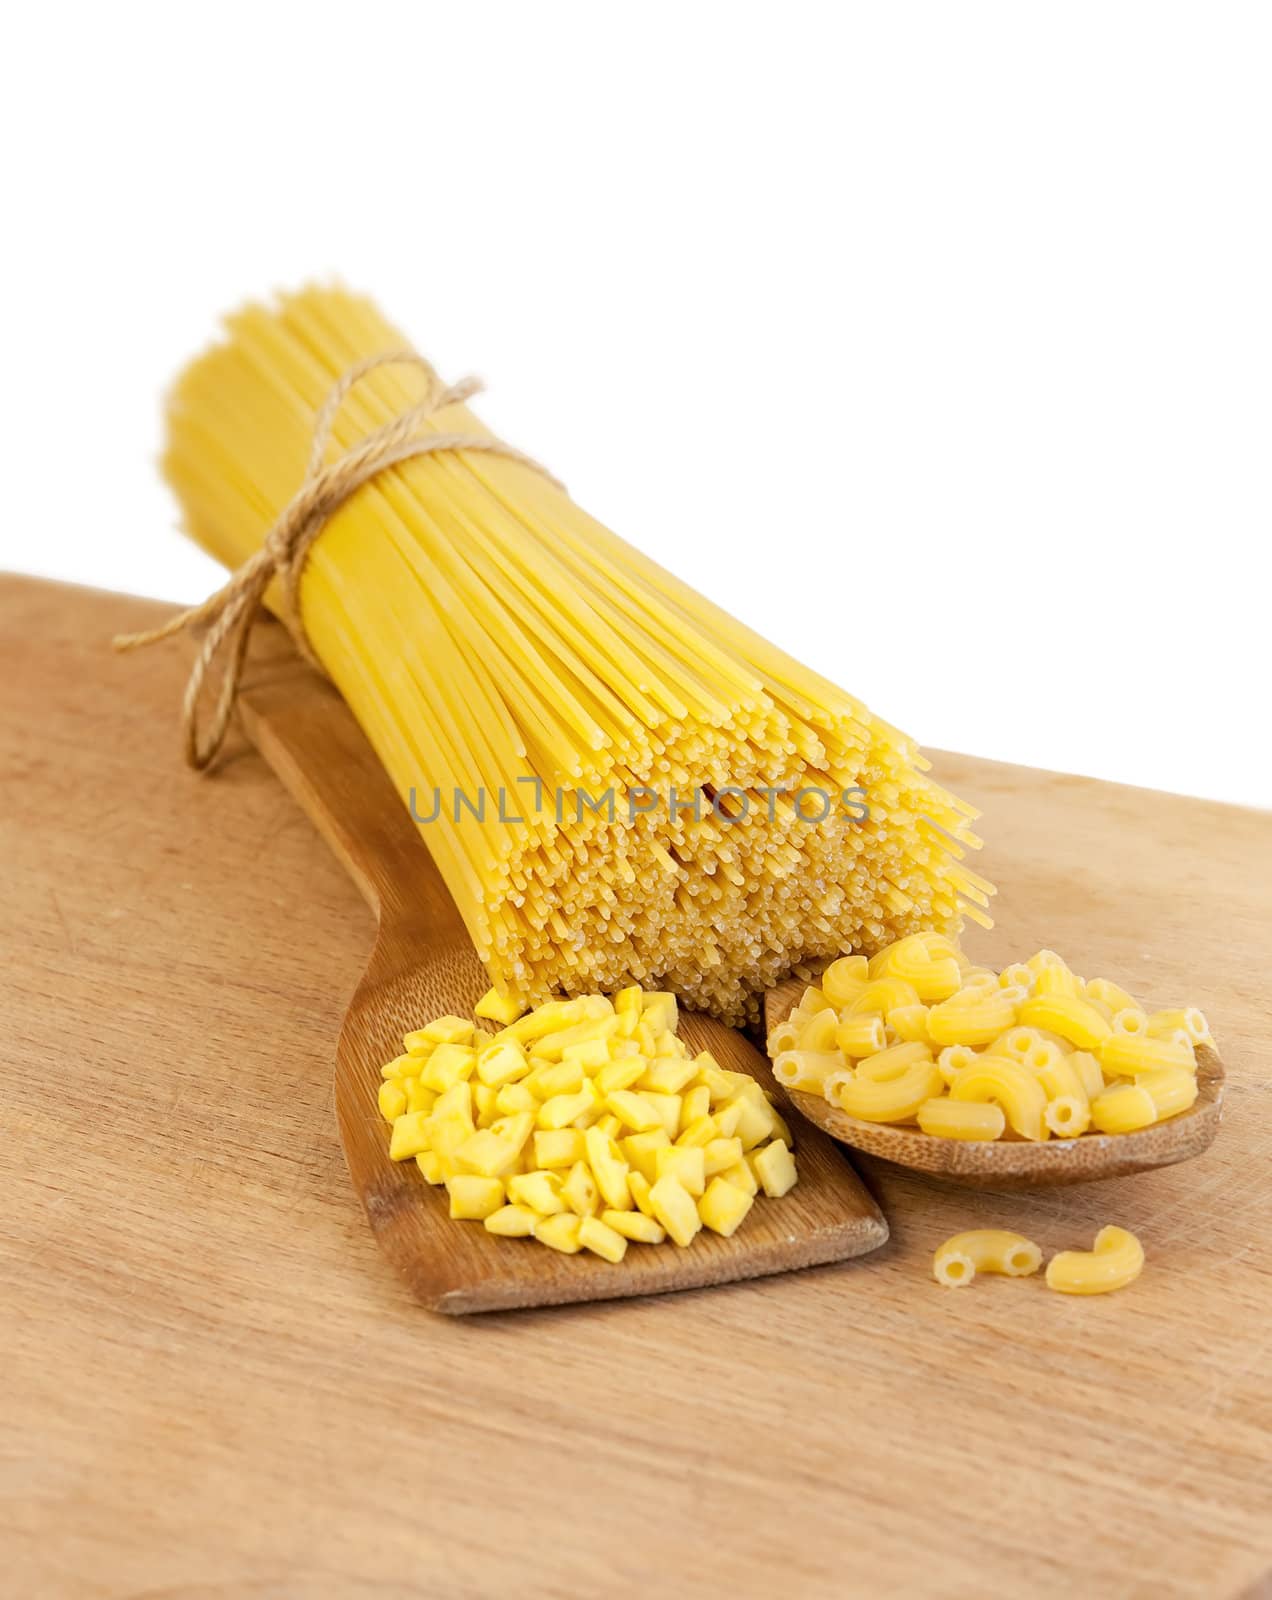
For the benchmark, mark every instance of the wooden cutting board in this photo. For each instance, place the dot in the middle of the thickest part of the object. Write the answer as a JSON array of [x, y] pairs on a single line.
[[213, 1387]]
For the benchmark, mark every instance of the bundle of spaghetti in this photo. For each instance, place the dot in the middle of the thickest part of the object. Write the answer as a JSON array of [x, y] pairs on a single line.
[[540, 693]]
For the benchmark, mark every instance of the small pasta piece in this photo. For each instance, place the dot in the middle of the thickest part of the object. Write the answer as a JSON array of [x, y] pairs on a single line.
[[978, 988], [1068, 1112], [1059, 1077], [1163, 1024], [979, 1020], [881, 995], [953, 1059], [1177, 1036], [1127, 1054], [877, 965], [861, 1035], [1103, 993], [812, 1001], [1124, 1108], [909, 1023], [1171, 1090], [934, 977], [944, 1118], [1045, 958], [1020, 1044], [1129, 1020], [844, 979], [818, 1033], [891, 1063], [1017, 976], [806, 1070], [784, 1037], [939, 945], [1044, 1056], [961, 1258], [1009, 1085], [1068, 1115], [1053, 980], [1116, 1260], [895, 1100], [1068, 1015], [835, 1081], [1088, 1071]]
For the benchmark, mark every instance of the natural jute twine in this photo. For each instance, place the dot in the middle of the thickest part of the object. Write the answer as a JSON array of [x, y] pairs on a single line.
[[232, 612]]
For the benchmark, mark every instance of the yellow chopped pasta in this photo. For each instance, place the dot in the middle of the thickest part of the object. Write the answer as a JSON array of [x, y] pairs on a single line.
[[551, 1148], [1032, 1052]]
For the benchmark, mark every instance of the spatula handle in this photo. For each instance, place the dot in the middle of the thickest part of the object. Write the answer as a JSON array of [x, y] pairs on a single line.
[[304, 729]]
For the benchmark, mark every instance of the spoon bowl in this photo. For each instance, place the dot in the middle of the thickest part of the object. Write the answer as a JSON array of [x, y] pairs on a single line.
[[1012, 1163]]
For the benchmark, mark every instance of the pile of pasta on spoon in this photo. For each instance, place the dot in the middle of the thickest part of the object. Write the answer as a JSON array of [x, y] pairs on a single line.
[[918, 1034], [528, 679]]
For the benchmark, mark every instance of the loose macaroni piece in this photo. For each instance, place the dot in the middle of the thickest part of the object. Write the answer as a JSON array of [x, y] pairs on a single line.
[[959, 1259], [918, 1034], [1116, 1260], [587, 1125]]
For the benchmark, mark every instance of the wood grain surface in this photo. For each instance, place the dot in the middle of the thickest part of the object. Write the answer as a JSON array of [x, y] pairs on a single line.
[[423, 965], [212, 1385]]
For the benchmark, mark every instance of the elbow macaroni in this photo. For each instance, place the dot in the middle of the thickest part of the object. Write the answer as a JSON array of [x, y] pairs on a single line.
[[917, 1034], [963, 1257], [1116, 1260]]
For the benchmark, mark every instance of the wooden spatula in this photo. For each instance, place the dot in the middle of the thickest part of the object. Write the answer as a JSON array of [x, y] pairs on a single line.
[[422, 966], [1020, 1164]]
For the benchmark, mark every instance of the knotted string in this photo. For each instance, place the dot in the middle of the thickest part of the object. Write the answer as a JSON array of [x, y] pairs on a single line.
[[232, 612]]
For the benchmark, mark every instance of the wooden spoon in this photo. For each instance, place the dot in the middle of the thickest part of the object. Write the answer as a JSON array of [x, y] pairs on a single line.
[[423, 965], [1012, 1164]]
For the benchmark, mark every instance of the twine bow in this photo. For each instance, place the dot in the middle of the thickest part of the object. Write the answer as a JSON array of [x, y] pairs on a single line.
[[232, 612]]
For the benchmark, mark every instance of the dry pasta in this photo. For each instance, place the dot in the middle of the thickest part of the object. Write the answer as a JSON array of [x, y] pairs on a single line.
[[586, 1125], [1032, 1052], [1116, 1260], [961, 1258], [514, 664]]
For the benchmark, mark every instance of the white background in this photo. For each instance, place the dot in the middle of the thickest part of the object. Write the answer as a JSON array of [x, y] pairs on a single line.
[[936, 341]]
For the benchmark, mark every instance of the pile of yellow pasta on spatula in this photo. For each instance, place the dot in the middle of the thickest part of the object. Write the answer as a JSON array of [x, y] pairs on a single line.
[[918, 1034], [586, 1124]]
